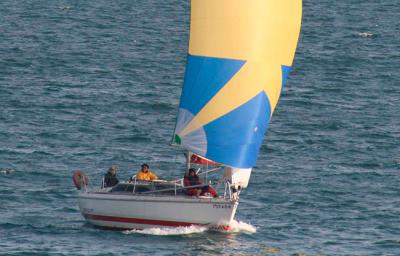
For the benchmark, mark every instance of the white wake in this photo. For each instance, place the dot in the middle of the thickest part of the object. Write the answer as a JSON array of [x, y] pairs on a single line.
[[234, 227], [240, 226], [168, 231]]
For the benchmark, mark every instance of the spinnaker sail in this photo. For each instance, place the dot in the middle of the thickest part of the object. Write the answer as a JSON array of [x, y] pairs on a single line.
[[240, 54]]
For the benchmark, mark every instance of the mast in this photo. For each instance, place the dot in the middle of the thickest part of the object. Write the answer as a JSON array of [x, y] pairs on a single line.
[[188, 156]]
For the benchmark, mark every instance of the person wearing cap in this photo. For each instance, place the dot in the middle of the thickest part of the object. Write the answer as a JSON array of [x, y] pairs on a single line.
[[110, 178], [146, 174]]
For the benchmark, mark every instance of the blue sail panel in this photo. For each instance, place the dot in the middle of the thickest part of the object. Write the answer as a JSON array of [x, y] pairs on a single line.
[[204, 77], [235, 139]]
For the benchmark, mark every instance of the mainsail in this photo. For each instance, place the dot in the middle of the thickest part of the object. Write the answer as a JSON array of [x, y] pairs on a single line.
[[240, 54]]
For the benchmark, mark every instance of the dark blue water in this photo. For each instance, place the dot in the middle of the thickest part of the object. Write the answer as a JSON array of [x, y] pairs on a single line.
[[88, 84]]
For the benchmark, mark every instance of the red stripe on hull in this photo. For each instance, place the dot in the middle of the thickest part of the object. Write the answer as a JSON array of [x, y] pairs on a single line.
[[140, 221]]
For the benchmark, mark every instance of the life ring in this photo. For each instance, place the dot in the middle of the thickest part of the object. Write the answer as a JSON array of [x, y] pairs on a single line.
[[80, 179]]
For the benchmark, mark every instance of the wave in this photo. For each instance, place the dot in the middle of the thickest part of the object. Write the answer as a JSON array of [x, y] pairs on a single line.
[[241, 227], [168, 231], [365, 34], [234, 227], [25, 151], [6, 170]]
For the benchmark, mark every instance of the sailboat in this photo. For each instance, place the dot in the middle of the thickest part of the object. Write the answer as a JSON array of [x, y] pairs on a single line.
[[239, 57]]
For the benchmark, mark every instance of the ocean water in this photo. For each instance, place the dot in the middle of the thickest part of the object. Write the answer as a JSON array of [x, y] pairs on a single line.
[[88, 84]]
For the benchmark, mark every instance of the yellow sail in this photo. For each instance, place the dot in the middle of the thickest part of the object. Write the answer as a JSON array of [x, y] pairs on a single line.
[[240, 53]]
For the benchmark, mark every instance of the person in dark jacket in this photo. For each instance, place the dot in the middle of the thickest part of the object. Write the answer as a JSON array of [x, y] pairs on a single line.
[[110, 178], [193, 180]]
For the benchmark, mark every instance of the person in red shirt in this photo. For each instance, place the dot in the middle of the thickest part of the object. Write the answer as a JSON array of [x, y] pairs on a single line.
[[193, 180]]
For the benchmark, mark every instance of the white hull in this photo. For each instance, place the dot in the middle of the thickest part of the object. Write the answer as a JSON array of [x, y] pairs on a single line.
[[130, 211]]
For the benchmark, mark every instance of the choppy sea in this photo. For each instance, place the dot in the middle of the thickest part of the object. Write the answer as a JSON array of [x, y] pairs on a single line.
[[88, 84]]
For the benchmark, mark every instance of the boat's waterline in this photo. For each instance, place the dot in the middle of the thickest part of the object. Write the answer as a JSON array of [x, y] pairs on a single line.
[[140, 212]]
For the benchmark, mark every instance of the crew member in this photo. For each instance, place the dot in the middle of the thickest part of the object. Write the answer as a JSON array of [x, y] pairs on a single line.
[[193, 180], [146, 174], [110, 178]]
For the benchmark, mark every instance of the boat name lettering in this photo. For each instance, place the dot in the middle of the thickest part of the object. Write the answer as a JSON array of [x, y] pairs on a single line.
[[222, 206]]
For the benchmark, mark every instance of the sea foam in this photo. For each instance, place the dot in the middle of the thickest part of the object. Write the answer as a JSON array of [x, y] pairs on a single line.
[[240, 226], [169, 231], [234, 227]]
